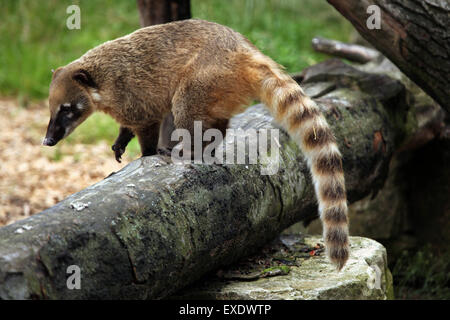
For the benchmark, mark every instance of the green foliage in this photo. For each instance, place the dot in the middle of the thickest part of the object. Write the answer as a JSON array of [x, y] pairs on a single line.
[[424, 274], [35, 38]]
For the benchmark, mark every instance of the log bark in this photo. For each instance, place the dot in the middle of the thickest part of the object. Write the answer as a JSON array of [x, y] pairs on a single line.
[[161, 11], [414, 35], [154, 227]]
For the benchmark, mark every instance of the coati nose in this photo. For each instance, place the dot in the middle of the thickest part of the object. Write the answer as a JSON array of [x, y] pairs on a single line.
[[49, 142]]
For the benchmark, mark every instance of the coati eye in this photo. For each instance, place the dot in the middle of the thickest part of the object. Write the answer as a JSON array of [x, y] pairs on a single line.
[[67, 110]]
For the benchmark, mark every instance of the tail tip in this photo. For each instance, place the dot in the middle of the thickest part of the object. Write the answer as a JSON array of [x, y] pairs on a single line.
[[339, 256]]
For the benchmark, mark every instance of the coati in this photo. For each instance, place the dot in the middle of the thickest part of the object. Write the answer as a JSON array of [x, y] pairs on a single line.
[[198, 70]]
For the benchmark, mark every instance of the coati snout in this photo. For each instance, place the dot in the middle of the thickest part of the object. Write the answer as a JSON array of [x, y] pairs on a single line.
[[69, 101], [67, 118]]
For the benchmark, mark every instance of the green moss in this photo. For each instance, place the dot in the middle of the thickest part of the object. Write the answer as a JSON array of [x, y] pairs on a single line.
[[278, 270], [389, 285]]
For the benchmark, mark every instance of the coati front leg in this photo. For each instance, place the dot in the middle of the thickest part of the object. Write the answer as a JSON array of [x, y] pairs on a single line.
[[148, 137], [119, 146]]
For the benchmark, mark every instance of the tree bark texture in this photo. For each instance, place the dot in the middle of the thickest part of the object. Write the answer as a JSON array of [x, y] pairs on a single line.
[[414, 34], [154, 227]]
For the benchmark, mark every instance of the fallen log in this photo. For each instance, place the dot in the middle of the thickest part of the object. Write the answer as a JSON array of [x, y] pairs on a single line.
[[412, 34], [154, 227]]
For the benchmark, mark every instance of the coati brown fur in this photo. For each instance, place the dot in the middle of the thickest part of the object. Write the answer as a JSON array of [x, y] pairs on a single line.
[[198, 70]]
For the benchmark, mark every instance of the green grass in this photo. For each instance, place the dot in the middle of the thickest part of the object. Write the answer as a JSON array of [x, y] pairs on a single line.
[[35, 39]]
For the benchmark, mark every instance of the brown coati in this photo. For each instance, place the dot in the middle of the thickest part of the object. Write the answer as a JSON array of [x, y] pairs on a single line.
[[198, 70]]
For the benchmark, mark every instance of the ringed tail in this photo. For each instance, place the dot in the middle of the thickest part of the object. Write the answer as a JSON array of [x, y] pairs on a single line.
[[305, 123]]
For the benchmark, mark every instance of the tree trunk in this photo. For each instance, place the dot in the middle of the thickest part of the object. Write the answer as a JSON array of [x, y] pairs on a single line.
[[161, 11], [414, 34], [155, 227]]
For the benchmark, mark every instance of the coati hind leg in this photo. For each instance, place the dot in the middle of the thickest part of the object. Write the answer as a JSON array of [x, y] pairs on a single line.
[[119, 146], [148, 137], [166, 128], [185, 119], [210, 99]]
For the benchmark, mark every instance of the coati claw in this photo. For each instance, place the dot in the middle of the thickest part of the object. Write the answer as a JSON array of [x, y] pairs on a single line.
[[118, 152]]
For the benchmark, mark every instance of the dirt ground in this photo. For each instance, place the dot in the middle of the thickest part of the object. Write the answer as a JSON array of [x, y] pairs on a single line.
[[34, 177]]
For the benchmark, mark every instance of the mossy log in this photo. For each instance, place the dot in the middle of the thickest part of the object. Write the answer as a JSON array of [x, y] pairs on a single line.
[[154, 227]]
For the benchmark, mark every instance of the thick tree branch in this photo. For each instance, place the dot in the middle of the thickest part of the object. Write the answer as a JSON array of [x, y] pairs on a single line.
[[352, 52]]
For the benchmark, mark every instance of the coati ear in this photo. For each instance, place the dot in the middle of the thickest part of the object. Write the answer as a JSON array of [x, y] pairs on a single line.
[[84, 78], [55, 72]]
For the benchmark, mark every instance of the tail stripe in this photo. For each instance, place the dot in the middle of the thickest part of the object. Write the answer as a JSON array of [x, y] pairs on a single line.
[[336, 235], [335, 215], [302, 116], [332, 191], [328, 164], [292, 98], [318, 137]]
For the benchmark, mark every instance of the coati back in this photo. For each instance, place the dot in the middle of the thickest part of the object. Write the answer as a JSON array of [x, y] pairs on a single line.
[[198, 71]]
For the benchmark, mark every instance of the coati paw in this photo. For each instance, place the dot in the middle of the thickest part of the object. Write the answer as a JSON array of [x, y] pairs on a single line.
[[118, 152]]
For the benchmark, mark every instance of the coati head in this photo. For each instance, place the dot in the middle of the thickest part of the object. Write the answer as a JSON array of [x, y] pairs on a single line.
[[70, 102]]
